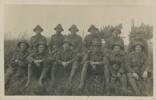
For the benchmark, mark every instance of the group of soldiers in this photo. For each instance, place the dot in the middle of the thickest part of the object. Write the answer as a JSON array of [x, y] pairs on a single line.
[[108, 59]]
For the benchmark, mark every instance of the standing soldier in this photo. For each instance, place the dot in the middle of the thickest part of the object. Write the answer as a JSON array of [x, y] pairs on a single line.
[[18, 66], [76, 42], [94, 35], [137, 65], [117, 68], [37, 38], [95, 62], [115, 37], [75, 39], [57, 39], [38, 63]]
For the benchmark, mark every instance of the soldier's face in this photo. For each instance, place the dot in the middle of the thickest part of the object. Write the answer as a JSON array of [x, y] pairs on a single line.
[[73, 31], [41, 48], [58, 31], [116, 48], [38, 31], [138, 48], [23, 46], [94, 31]]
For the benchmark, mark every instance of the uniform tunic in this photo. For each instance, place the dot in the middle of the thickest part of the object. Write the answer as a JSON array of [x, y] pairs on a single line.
[[35, 40], [76, 42], [89, 38], [65, 55], [56, 42], [16, 67], [136, 62], [117, 62], [16, 73], [96, 57]]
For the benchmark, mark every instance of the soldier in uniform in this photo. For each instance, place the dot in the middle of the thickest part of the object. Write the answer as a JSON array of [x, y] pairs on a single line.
[[117, 68], [95, 62], [137, 65], [75, 39], [37, 38], [57, 39], [38, 63], [18, 64], [76, 42], [64, 59], [115, 37], [94, 34]]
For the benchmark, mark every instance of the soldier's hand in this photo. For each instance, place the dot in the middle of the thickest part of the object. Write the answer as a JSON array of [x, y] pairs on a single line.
[[145, 74], [20, 63], [16, 60], [37, 63], [93, 65], [118, 74], [135, 75], [65, 64]]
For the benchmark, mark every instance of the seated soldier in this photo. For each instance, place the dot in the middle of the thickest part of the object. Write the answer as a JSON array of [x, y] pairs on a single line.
[[137, 66], [38, 63], [117, 69], [18, 63], [95, 62], [65, 59]]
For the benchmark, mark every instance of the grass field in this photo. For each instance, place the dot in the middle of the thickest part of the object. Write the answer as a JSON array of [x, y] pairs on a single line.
[[9, 48]]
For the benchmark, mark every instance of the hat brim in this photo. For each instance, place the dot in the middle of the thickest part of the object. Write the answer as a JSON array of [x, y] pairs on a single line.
[[140, 44], [41, 44], [122, 47], [41, 30], [19, 43], [91, 30], [76, 30], [58, 29]]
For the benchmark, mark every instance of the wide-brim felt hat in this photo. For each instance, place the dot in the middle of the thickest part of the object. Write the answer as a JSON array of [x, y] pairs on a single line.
[[92, 28], [121, 45], [38, 27], [116, 29], [73, 27], [23, 41], [139, 41], [59, 27], [41, 43]]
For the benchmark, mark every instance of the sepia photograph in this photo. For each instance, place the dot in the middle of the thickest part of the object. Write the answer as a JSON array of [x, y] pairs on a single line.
[[78, 50]]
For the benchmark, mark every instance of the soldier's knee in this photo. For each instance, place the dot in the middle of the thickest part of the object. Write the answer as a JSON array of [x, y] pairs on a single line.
[[85, 66]]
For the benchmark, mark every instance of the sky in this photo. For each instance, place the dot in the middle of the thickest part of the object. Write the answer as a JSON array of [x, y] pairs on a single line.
[[21, 19]]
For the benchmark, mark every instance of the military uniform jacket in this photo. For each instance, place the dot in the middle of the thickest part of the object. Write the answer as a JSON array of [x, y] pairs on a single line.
[[37, 39], [20, 56], [65, 55], [117, 62], [136, 62], [56, 41], [88, 40], [76, 42], [38, 56], [96, 57]]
